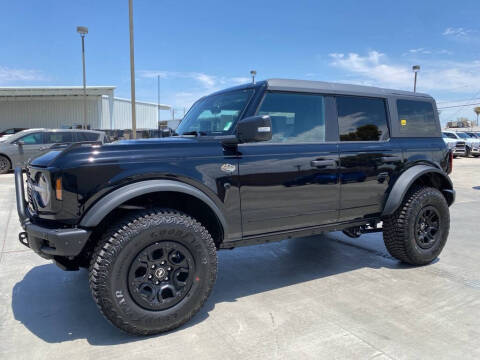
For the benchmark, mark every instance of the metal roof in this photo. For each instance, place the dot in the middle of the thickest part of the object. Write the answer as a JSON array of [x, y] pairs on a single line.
[[160, 106], [56, 91], [327, 87]]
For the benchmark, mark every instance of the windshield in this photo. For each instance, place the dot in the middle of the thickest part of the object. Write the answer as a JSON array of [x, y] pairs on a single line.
[[215, 115], [449, 135], [462, 135]]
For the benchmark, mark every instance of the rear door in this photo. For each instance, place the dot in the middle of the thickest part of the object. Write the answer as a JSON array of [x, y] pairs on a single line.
[[291, 181], [58, 137], [368, 157]]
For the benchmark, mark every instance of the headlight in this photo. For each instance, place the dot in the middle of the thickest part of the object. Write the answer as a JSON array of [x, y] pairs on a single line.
[[43, 190]]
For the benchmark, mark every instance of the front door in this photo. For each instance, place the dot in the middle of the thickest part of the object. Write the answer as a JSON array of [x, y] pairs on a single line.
[[292, 180], [29, 146]]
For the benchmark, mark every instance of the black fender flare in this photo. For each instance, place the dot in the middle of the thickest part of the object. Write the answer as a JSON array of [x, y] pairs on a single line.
[[405, 181], [112, 200]]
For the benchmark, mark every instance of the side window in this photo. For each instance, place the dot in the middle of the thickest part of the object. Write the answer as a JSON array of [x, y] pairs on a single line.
[[87, 136], [58, 137], [362, 119], [416, 118], [32, 139], [296, 118]]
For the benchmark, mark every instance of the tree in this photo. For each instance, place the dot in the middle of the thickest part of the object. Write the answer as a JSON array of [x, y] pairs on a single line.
[[477, 111]]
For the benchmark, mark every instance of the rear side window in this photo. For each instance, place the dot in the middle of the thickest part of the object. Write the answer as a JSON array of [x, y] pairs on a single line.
[[416, 118], [296, 118], [362, 119], [87, 136], [58, 137]]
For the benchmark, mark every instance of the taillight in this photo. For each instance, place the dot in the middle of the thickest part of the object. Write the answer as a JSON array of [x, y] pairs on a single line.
[[450, 162]]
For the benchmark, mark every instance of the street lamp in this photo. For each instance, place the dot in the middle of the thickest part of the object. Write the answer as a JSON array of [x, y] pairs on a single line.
[[416, 69], [253, 73], [83, 30]]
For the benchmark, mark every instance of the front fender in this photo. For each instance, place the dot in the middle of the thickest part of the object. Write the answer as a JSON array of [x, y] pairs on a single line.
[[407, 178], [112, 200]]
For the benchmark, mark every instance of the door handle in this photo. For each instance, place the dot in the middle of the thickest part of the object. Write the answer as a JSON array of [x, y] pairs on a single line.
[[323, 163], [391, 158]]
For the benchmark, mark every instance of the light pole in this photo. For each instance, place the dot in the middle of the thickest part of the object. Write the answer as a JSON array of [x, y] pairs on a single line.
[[253, 73], [83, 30], [132, 69], [416, 69]]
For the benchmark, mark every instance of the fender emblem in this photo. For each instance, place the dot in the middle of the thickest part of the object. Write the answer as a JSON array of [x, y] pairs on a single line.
[[228, 168]]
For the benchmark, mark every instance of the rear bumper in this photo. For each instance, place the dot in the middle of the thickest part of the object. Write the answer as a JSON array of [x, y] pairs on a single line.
[[46, 242]]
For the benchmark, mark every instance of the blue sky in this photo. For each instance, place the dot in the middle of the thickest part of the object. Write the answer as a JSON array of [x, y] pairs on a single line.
[[198, 47]]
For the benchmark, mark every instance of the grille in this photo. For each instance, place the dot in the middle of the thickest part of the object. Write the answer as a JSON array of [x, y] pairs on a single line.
[[31, 203], [460, 145]]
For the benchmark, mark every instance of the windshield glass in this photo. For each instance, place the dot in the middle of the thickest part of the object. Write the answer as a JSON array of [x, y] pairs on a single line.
[[462, 135], [449, 135], [215, 115]]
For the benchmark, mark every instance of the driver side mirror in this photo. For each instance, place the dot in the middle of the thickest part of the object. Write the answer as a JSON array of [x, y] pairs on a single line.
[[20, 143], [254, 129]]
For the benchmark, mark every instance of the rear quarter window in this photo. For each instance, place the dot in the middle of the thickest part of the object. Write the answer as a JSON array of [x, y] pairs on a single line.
[[417, 118]]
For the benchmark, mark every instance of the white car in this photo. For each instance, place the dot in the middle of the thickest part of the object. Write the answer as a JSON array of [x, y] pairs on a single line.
[[454, 143], [471, 142]]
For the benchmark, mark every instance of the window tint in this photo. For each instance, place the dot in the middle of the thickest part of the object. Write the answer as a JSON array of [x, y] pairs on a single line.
[[416, 118], [449, 135], [361, 119], [295, 118], [58, 137], [87, 136], [32, 139]]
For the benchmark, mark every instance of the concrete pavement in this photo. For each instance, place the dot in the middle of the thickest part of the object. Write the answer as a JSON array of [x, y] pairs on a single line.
[[318, 297]]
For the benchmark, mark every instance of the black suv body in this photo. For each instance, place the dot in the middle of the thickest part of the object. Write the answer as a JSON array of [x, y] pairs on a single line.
[[251, 164]]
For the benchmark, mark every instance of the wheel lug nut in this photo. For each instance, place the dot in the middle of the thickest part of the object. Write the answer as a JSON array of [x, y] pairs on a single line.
[[163, 262], [166, 277], [169, 268], [149, 276], [153, 266], [156, 282]]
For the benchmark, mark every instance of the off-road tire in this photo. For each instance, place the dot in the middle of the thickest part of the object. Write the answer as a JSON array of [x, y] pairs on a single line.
[[115, 252], [399, 229], [5, 165]]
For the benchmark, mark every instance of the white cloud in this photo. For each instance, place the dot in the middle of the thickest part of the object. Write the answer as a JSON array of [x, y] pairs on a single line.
[[12, 75], [376, 69], [457, 32], [208, 82], [419, 51]]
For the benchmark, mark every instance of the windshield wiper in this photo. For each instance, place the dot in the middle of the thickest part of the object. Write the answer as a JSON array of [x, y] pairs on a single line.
[[196, 133]]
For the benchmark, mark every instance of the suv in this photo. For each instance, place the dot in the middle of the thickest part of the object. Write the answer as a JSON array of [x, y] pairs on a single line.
[[457, 146], [248, 165], [17, 149]]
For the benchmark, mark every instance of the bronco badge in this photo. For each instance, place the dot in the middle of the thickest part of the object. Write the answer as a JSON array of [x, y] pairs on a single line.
[[228, 168]]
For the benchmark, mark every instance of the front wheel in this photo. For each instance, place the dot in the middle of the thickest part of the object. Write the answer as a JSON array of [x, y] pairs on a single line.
[[153, 271], [4, 164], [417, 232]]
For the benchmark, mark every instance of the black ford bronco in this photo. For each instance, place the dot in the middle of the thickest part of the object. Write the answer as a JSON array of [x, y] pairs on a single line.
[[251, 164]]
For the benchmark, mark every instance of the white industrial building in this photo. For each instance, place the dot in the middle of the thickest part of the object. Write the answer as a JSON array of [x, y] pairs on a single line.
[[57, 107]]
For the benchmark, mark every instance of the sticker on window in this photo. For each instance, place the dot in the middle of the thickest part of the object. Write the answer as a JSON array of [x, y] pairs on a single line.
[[403, 122]]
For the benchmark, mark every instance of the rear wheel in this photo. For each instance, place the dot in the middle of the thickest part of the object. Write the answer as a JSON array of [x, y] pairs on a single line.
[[4, 164], [417, 232], [153, 271]]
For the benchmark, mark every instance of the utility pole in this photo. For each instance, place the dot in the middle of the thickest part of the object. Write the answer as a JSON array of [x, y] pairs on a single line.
[[83, 30], [132, 70], [158, 101]]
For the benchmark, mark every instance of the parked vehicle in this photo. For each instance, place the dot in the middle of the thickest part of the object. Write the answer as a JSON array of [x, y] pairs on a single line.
[[472, 144], [457, 146], [472, 134], [17, 149], [251, 164], [4, 134]]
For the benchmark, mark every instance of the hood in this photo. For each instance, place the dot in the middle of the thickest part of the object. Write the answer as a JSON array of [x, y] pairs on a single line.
[[123, 151]]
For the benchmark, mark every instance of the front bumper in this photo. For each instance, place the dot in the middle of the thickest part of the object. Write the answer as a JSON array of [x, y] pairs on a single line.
[[46, 242]]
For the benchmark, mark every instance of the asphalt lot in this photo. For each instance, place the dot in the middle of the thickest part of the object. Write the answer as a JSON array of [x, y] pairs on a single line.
[[319, 297]]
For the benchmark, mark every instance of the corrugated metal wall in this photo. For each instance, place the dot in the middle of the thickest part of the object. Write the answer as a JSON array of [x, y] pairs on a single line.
[[63, 111], [48, 111], [147, 115]]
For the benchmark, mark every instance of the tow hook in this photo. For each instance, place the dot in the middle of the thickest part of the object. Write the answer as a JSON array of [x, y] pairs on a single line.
[[22, 237]]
